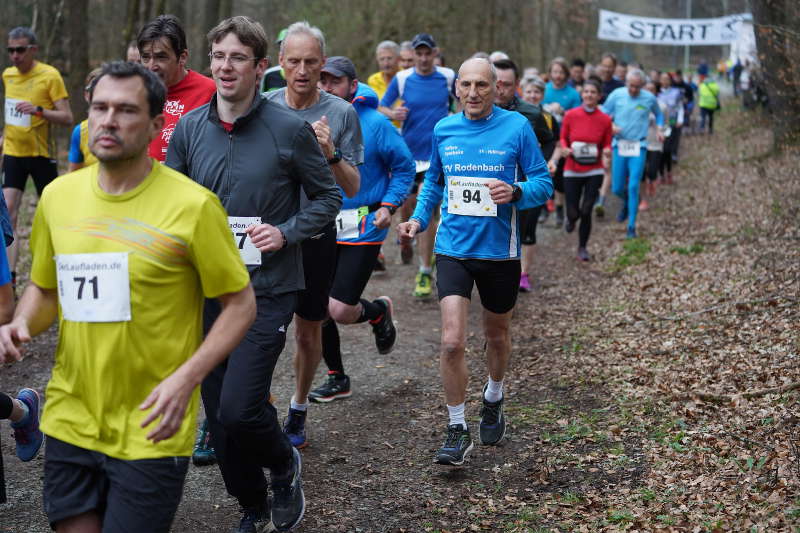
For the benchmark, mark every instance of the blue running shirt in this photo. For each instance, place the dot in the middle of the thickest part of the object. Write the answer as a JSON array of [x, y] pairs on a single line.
[[567, 96], [428, 101], [501, 146], [631, 114]]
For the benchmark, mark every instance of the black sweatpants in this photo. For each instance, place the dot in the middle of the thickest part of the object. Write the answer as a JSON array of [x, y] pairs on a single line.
[[581, 195], [245, 430]]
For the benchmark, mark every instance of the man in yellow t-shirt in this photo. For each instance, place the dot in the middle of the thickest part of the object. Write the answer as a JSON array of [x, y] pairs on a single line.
[[35, 98], [124, 253], [387, 55]]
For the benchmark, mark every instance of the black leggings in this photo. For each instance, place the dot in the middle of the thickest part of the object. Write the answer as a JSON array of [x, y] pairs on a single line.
[[670, 148], [652, 165], [6, 406], [581, 195]]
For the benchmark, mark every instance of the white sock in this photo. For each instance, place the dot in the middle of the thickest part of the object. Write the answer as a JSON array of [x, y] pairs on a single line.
[[298, 406], [457, 415], [494, 391], [425, 269]]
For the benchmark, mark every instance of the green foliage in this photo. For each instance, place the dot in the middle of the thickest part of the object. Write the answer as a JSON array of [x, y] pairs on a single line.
[[634, 252]]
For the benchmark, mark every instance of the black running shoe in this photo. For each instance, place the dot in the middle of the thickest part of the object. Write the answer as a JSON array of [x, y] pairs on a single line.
[[288, 500], [493, 421], [569, 225], [384, 330], [255, 520], [456, 446], [336, 386]]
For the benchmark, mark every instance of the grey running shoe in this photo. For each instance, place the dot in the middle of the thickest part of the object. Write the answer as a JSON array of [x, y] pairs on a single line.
[[493, 421], [255, 520], [288, 500], [336, 386]]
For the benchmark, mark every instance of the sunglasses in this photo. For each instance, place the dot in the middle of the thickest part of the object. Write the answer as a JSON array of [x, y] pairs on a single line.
[[19, 49]]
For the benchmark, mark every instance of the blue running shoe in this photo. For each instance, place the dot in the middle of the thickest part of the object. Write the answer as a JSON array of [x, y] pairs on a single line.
[[631, 233], [294, 427], [26, 432]]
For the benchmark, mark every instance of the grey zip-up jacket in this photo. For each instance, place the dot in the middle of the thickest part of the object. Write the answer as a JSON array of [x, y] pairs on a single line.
[[258, 169]]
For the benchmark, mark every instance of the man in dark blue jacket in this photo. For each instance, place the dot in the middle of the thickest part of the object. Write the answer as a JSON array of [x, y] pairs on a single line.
[[256, 157]]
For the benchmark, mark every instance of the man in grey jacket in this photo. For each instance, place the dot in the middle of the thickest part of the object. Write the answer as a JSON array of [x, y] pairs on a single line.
[[256, 157]]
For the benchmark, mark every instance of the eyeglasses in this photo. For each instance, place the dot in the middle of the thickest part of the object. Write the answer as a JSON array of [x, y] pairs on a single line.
[[19, 49], [235, 59]]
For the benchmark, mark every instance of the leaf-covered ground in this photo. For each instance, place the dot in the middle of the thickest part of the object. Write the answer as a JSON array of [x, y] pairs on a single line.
[[638, 398]]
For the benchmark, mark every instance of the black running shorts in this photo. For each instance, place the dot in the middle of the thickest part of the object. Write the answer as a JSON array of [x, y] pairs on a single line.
[[138, 495], [497, 281], [16, 170], [319, 264], [354, 266], [528, 220]]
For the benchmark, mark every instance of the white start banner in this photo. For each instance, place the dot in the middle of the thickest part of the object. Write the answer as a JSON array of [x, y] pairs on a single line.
[[677, 32]]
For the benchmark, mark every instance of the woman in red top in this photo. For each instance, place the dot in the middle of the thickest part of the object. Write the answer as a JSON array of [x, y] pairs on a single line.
[[585, 137]]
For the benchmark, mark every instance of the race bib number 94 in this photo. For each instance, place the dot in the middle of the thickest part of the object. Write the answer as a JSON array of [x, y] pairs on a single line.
[[247, 250], [94, 287], [470, 197], [14, 117]]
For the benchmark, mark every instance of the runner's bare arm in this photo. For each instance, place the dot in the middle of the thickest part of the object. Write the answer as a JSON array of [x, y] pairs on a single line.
[[62, 114], [36, 311], [170, 397]]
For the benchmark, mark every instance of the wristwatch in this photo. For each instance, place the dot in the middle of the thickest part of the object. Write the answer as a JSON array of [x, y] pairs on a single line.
[[39, 111], [516, 192], [337, 156]]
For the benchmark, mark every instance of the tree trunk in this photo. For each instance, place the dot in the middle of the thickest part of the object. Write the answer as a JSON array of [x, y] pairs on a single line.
[[131, 24], [778, 41], [77, 47]]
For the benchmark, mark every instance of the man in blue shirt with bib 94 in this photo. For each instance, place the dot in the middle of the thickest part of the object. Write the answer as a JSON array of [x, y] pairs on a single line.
[[479, 165]]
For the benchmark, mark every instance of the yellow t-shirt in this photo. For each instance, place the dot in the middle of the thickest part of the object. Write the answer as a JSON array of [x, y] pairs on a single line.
[[28, 135], [174, 238], [378, 83], [88, 156]]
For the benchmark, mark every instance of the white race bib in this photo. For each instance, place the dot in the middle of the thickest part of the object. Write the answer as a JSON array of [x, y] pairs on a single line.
[[628, 148], [14, 117], [422, 166], [94, 287], [247, 250], [347, 222], [470, 196]]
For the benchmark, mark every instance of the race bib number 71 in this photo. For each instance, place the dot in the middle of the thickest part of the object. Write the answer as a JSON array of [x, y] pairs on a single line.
[[94, 287], [470, 197]]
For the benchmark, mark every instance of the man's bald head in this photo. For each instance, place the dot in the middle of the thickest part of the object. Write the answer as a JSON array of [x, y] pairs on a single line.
[[477, 84], [481, 64]]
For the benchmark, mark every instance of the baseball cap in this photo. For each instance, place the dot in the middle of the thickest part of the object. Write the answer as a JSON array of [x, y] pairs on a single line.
[[340, 66], [423, 39]]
